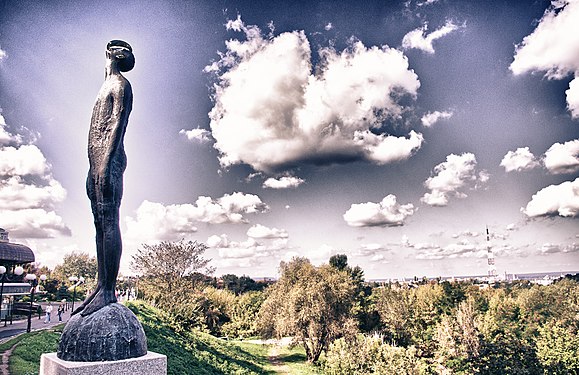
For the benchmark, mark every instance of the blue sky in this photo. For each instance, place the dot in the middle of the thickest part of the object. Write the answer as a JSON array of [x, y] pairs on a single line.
[[393, 132]]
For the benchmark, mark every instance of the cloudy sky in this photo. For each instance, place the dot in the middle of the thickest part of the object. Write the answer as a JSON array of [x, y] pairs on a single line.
[[390, 131]]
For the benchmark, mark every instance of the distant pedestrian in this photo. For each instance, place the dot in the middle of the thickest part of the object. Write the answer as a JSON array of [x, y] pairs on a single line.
[[60, 311], [48, 312]]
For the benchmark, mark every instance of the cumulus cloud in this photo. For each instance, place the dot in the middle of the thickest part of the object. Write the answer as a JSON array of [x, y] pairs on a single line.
[[274, 110], [5, 136], [28, 191], [23, 160], [261, 231], [16, 194], [553, 248], [418, 39], [562, 200], [462, 249], [197, 134], [250, 248], [520, 160], [450, 177], [432, 118], [386, 213], [553, 48], [155, 221], [562, 158], [373, 251], [284, 182], [2, 54], [322, 254], [33, 223]]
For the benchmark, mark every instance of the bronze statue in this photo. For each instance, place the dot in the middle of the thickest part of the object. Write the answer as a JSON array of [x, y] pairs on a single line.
[[105, 330], [107, 160]]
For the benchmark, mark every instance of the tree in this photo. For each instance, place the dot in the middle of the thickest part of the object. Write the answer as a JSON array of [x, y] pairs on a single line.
[[75, 264], [170, 262], [558, 349], [339, 261], [312, 304]]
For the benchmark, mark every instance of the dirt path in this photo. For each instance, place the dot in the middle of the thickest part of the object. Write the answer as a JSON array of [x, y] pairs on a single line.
[[4, 369], [276, 362]]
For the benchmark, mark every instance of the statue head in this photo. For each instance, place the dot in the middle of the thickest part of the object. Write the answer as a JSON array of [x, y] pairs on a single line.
[[122, 52]]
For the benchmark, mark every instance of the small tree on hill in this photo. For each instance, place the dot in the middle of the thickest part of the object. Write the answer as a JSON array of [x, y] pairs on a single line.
[[166, 266], [312, 304]]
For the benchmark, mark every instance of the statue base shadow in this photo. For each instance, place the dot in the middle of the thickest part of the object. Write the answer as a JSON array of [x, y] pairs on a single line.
[[112, 333]]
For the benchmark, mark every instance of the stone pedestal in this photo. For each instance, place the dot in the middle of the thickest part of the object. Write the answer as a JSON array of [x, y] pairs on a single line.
[[149, 364]]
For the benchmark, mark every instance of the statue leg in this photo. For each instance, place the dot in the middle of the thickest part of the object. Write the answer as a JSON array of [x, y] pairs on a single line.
[[110, 257], [97, 211]]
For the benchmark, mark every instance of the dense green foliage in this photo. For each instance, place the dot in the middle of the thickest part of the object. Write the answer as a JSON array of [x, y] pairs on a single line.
[[462, 328], [311, 304]]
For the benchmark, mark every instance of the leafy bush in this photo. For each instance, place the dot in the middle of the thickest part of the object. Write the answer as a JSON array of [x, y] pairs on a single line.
[[370, 355]]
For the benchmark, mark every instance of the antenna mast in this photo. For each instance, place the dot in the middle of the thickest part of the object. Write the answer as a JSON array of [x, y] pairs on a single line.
[[492, 272]]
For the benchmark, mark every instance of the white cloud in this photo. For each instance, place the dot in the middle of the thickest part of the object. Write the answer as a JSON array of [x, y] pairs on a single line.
[[5, 136], [562, 200], [374, 251], [197, 134], [272, 111], [456, 173], [24, 160], [2, 54], [249, 248], [383, 149], [15, 194], [432, 118], [573, 97], [563, 158], [284, 182], [553, 47], [328, 26], [322, 254], [28, 192], [552, 248], [155, 221], [385, 213], [463, 249], [261, 231], [33, 223], [520, 160], [418, 39]]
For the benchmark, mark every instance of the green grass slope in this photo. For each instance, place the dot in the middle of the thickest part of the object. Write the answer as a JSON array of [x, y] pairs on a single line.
[[187, 352], [194, 352]]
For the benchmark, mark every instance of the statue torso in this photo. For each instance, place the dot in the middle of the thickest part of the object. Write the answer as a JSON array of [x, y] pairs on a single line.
[[108, 124]]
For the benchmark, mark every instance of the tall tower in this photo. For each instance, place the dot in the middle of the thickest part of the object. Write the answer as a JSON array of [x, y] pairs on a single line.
[[492, 272]]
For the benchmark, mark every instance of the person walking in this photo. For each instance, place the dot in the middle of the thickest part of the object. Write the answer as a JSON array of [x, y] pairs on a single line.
[[60, 311], [48, 312]]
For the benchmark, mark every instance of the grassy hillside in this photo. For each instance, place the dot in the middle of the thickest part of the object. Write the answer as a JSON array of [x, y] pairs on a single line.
[[195, 352], [187, 352]]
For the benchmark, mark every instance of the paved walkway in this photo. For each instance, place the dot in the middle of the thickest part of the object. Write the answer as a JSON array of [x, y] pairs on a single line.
[[19, 326]]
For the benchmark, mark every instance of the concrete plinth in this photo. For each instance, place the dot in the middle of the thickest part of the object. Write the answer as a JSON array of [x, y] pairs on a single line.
[[149, 364]]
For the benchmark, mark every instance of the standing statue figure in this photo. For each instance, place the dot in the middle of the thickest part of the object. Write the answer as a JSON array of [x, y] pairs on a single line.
[[105, 330], [108, 161]]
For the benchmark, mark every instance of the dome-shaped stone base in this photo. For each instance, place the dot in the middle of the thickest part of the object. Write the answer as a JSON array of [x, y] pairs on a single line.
[[109, 334]]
